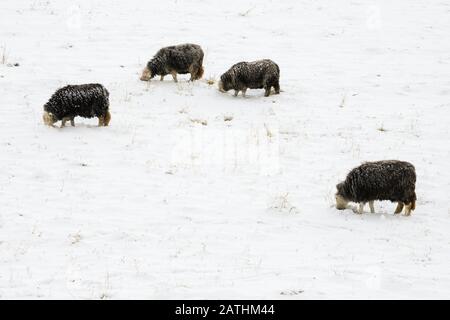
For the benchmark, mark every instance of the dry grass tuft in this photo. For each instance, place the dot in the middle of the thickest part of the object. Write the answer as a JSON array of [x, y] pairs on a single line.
[[268, 131], [201, 121], [210, 81], [246, 13], [282, 204], [4, 57], [75, 238]]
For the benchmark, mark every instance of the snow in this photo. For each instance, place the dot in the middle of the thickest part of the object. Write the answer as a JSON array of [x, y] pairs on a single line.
[[172, 201]]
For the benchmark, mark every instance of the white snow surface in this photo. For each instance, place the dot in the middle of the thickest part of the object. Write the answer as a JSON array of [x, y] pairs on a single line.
[[159, 205]]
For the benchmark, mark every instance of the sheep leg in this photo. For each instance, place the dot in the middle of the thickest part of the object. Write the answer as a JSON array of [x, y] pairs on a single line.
[[408, 209], [267, 92], [361, 207], [196, 72], [372, 209], [103, 121], [174, 75], [63, 122], [276, 86], [161, 79], [194, 76], [199, 73], [236, 92], [399, 208], [72, 122], [243, 92], [107, 119], [193, 72]]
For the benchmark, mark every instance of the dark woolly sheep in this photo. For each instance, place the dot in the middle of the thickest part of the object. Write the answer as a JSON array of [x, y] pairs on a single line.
[[180, 59], [254, 75], [381, 180], [86, 100]]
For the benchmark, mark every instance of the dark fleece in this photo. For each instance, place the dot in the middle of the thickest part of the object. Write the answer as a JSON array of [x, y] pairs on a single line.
[[86, 100], [176, 58], [254, 75], [381, 180]]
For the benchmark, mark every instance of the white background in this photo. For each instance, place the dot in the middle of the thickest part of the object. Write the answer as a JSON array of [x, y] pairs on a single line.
[[115, 212]]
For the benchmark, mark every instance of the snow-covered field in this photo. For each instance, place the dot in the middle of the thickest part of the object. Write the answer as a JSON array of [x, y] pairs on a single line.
[[191, 193]]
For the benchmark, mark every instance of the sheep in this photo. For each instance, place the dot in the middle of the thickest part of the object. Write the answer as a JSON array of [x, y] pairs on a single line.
[[381, 180], [254, 75], [180, 59], [86, 100]]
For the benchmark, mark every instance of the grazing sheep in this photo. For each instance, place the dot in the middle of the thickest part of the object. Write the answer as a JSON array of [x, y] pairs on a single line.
[[254, 75], [86, 100], [381, 180], [180, 59]]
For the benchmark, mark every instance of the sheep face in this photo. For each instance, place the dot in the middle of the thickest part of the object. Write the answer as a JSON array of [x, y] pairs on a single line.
[[146, 74], [220, 85], [224, 86], [341, 201], [49, 118]]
